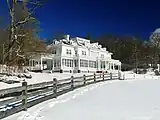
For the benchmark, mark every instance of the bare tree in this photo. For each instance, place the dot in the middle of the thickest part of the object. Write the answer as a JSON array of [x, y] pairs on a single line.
[[14, 45]]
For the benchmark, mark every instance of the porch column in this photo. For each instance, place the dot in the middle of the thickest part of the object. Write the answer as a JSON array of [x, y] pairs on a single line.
[[99, 65], [88, 65], [113, 67], [29, 63], [106, 65], [73, 65], [52, 64], [32, 63], [41, 63], [109, 66], [61, 67], [79, 64]]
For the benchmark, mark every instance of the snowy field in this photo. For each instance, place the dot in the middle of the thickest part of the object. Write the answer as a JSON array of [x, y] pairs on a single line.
[[131, 99]]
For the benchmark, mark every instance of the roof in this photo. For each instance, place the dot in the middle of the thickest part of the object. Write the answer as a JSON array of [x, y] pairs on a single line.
[[77, 41]]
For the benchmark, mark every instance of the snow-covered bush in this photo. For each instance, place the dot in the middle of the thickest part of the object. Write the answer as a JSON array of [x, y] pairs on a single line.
[[157, 72], [140, 71], [154, 67]]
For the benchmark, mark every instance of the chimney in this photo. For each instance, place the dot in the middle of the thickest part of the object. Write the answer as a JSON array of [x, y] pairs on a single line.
[[67, 37]]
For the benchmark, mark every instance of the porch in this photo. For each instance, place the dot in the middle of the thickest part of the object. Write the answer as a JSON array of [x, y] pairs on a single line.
[[41, 62]]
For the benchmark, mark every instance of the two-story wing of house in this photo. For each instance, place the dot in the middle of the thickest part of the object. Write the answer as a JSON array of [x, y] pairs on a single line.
[[76, 55]]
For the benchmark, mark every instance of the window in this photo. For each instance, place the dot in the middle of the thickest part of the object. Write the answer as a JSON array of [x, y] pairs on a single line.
[[84, 63], [103, 64], [116, 67], [75, 63], [44, 62], [102, 56], [57, 63], [67, 62], [92, 64], [34, 63], [54, 63], [83, 52], [75, 52], [68, 52], [53, 51], [63, 62]]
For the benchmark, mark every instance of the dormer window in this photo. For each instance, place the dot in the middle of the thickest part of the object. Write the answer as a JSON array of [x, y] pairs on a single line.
[[75, 52], [54, 52], [83, 52], [68, 52], [102, 56]]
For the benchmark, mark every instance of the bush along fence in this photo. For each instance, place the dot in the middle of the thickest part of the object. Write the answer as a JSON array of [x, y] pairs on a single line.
[[16, 99]]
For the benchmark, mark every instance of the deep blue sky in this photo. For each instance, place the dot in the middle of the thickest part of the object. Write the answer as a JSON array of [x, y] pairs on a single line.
[[80, 17]]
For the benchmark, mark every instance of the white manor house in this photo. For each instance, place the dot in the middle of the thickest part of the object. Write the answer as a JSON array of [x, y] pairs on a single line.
[[75, 55]]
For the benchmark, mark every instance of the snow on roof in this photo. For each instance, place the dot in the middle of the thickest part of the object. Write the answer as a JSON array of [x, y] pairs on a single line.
[[77, 41], [157, 30]]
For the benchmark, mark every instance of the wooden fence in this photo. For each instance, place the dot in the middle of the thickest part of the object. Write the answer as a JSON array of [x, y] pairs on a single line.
[[16, 99]]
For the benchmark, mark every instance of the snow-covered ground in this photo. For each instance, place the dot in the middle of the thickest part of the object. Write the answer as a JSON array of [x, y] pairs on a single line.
[[39, 77], [131, 99], [45, 77]]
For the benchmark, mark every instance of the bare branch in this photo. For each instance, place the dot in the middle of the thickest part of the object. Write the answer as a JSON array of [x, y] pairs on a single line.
[[26, 19], [22, 56], [18, 51], [22, 22], [9, 7], [33, 2]]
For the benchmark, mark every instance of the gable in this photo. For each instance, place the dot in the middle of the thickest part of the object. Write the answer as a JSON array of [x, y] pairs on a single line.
[[95, 45]]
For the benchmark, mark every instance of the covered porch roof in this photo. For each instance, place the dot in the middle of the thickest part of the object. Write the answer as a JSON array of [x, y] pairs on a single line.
[[39, 56], [117, 62]]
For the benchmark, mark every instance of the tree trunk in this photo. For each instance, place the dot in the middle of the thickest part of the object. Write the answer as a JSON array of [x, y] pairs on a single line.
[[12, 29], [12, 34]]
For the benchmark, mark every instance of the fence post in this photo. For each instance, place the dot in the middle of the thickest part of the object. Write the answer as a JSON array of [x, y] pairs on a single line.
[[84, 79], [55, 87], [110, 76], [103, 76], [94, 77], [24, 94], [72, 82]]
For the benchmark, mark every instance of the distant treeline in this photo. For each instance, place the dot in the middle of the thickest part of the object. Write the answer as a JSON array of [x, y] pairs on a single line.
[[132, 51]]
